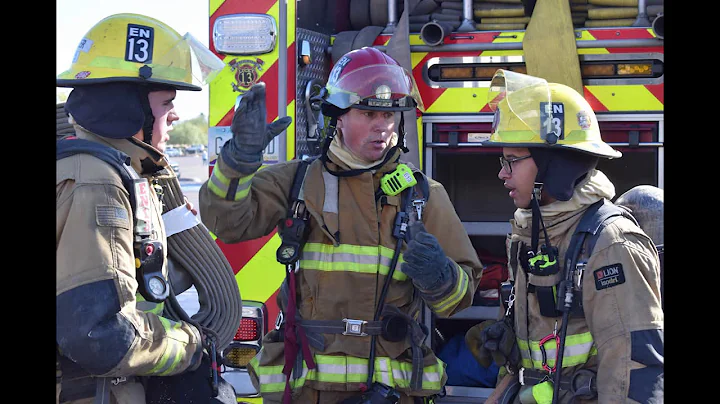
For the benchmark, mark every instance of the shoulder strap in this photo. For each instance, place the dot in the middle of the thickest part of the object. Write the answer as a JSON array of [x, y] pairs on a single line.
[[418, 201], [292, 229], [298, 182], [583, 240], [595, 218], [70, 146]]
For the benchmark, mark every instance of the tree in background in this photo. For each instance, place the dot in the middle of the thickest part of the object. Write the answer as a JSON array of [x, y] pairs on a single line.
[[191, 131]]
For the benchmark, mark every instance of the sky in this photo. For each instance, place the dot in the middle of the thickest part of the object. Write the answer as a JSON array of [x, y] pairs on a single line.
[[74, 18]]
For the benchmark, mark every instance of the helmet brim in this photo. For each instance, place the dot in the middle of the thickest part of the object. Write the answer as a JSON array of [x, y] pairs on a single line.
[[591, 148], [85, 82]]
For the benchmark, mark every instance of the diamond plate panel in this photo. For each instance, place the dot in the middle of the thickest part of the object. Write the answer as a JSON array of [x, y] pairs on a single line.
[[319, 68]]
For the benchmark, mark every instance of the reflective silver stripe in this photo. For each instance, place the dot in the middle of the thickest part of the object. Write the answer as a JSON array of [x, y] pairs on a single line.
[[578, 348], [342, 370], [343, 257], [331, 193], [275, 378], [243, 187], [383, 368]]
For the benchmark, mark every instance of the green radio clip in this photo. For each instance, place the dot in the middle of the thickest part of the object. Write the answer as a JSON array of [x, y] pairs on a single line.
[[396, 181]]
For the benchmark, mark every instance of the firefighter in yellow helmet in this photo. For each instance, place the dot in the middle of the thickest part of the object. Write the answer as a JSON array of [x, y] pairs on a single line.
[[110, 238], [373, 246], [589, 327]]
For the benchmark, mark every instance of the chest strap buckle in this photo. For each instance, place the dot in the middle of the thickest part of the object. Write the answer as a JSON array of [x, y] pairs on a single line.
[[354, 327]]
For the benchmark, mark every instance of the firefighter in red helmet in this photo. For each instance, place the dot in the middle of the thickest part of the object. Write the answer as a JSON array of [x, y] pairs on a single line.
[[380, 240]]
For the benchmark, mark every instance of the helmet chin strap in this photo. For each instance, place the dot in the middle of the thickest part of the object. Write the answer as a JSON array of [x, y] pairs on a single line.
[[537, 221]]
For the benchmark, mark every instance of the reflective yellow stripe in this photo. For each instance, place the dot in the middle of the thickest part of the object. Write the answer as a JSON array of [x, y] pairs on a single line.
[[176, 339], [452, 300], [350, 258], [578, 348], [219, 184], [347, 369], [148, 307]]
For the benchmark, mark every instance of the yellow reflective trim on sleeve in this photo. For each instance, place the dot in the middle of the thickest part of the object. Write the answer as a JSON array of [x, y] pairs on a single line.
[[219, 184], [176, 340], [148, 307], [452, 300]]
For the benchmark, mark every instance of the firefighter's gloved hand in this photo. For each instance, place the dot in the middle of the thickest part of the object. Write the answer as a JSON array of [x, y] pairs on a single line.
[[493, 340], [425, 261], [250, 132], [190, 387]]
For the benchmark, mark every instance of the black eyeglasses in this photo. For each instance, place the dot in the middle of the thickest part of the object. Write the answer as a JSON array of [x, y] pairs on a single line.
[[507, 164]]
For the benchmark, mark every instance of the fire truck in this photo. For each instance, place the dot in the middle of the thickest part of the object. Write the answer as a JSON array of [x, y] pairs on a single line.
[[609, 50]]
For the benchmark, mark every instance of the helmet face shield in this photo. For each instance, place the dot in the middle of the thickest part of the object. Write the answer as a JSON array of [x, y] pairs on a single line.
[[505, 91], [379, 86], [530, 112], [200, 68]]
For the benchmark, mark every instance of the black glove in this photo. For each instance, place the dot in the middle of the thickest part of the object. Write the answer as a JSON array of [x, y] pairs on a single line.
[[189, 387], [251, 134], [425, 262], [493, 340]]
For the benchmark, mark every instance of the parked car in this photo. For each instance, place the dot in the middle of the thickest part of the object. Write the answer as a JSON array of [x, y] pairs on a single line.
[[195, 149], [174, 151], [175, 167]]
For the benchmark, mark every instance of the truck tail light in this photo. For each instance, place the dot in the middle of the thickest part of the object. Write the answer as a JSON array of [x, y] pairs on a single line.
[[239, 355], [248, 337], [248, 331]]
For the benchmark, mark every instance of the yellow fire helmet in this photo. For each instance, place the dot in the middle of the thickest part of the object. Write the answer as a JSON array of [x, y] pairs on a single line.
[[137, 48], [530, 112]]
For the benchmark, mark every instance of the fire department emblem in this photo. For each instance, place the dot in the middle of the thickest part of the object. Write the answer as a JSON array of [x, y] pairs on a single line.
[[246, 73], [82, 75], [584, 120]]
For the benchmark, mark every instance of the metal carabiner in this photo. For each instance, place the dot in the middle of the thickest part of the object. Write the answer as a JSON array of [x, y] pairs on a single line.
[[544, 353], [511, 300]]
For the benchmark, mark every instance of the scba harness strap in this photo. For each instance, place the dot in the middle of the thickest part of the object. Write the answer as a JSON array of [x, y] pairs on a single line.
[[298, 334], [565, 298], [152, 284]]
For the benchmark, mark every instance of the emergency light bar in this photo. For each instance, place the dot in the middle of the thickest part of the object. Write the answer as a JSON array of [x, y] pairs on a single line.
[[589, 70], [244, 34]]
